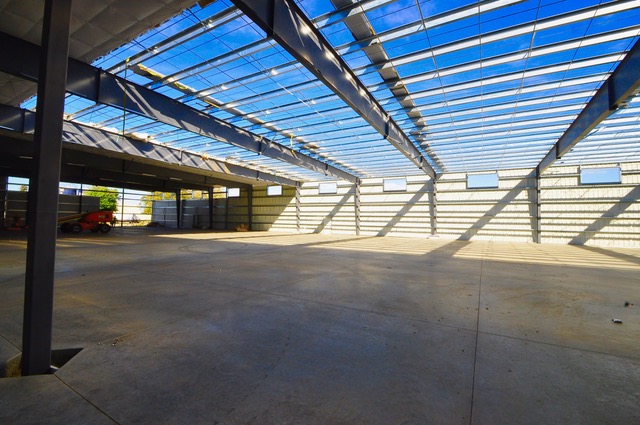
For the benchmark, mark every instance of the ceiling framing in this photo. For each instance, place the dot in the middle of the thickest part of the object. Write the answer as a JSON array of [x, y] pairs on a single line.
[[349, 90]]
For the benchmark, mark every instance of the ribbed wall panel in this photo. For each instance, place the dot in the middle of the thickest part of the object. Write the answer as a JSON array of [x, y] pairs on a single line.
[[604, 215], [599, 215], [274, 212]]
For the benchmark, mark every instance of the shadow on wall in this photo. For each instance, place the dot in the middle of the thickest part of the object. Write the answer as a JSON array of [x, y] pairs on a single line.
[[341, 203], [500, 205], [404, 210], [606, 218], [268, 211]]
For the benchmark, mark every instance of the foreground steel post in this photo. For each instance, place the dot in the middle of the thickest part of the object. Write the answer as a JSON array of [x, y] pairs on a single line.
[[43, 189]]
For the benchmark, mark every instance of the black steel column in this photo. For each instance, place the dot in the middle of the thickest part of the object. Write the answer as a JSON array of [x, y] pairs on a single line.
[[4, 189], [226, 211], [250, 206], [178, 209], [43, 191], [121, 210], [80, 201], [298, 206], [356, 204], [211, 207]]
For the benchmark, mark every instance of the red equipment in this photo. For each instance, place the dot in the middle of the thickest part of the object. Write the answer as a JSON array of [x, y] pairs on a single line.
[[96, 221]]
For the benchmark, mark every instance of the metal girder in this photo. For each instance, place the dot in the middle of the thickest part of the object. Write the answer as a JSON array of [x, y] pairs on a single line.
[[621, 85], [22, 120], [99, 86], [360, 27], [287, 24]]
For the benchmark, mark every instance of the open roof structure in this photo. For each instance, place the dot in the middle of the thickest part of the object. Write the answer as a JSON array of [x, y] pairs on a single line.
[[466, 86]]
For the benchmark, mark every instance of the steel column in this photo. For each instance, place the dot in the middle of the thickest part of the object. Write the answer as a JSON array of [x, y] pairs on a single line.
[[298, 206], [433, 206], [537, 233], [122, 209], [4, 189], [226, 211], [178, 209], [250, 206], [356, 204], [211, 207], [80, 201], [43, 191]]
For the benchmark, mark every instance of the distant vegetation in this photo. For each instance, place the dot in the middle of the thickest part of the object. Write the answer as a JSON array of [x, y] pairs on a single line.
[[108, 197]]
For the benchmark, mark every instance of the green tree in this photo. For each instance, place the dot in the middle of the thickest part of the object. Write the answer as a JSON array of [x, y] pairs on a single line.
[[108, 197]]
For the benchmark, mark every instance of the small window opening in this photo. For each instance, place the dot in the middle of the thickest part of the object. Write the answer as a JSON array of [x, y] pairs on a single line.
[[274, 190], [328, 188], [394, 185], [482, 181], [604, 175]]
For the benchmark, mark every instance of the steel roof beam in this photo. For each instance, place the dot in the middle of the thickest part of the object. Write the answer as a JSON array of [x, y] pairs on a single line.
[[288, 25], [101, 87], [614, 94]]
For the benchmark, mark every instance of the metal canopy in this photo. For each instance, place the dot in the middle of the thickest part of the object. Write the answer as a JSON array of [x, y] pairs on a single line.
[[91, 165], [219, 172]]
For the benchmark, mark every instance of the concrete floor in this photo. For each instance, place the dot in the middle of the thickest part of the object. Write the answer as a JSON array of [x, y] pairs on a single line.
[[185, 327]]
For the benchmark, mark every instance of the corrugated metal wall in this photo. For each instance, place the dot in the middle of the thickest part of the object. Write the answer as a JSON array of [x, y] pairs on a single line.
[[164, 213], [327, 213], [15, 205], [396, 213], [603, 215], [228, 213], [505, 213], [274, 212]]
